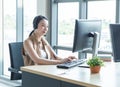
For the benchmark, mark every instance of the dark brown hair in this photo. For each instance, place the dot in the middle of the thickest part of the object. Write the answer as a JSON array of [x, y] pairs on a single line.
[[36, 21]]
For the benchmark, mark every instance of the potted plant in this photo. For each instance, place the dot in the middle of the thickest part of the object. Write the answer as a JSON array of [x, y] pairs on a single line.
[[95, 64]]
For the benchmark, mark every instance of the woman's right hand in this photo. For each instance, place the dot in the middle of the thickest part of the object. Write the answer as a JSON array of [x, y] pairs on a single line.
[[66, 60]]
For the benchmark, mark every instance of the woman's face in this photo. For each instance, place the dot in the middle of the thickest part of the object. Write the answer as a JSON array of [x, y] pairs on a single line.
[[42, 27]]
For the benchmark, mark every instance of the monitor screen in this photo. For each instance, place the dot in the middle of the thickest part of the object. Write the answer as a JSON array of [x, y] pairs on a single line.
[[86, 35], [115, 41]]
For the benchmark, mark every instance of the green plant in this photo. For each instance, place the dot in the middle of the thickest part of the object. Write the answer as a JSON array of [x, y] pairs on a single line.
[[95, 61]]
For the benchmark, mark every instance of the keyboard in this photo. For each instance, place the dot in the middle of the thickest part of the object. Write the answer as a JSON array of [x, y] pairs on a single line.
[[71, 64]]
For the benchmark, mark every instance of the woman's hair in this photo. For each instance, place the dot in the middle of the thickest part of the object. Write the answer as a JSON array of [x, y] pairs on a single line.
[[36, 21]]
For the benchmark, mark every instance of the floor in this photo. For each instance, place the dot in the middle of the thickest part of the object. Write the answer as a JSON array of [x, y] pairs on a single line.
[[5, 82]]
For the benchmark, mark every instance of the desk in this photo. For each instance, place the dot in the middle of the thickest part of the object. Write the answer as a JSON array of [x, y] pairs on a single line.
[[51, 76]]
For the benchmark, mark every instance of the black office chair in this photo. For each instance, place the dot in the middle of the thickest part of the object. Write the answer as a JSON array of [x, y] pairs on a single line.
[[16, 60]]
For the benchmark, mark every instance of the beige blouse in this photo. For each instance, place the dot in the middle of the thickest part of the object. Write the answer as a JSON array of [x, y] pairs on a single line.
[[26, 57]]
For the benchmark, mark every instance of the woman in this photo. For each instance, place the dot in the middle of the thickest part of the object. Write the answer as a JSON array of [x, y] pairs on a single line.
[[36, 49]]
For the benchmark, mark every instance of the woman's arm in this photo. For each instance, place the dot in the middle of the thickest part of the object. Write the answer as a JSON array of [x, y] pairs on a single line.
[[53, 54], [28, 46]]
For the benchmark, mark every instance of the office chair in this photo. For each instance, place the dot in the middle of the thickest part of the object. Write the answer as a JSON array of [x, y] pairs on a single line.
[[16, 60]]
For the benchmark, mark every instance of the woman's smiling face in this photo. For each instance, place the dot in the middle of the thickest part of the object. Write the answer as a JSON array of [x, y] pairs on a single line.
[[42, 27]]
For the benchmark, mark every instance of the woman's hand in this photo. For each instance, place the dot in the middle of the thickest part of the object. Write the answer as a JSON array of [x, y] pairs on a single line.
[[68, 59], [72, 57]]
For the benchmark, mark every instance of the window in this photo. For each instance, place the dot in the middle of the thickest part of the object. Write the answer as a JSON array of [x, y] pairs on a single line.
[[1, 36], [9, 30], [68, 11], [105, 11], [30, 11], [66, 21], [11, 21]]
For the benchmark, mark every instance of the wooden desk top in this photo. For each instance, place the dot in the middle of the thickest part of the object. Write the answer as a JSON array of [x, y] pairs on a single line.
[[109, 75]]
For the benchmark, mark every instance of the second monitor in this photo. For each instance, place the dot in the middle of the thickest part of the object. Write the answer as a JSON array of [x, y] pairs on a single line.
[[87, 35]]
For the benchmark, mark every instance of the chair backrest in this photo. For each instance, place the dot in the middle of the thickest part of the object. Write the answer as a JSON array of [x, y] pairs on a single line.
[[15, 49]]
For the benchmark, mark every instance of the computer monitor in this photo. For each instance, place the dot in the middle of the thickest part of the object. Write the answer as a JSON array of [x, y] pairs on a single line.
[[87, 35], [115, 41]]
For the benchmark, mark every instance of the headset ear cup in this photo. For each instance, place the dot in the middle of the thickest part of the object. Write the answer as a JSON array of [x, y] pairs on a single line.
[[35, 23]]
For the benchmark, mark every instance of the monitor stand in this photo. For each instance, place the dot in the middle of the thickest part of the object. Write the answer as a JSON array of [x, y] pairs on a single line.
[[94, 48], [95, 44]]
